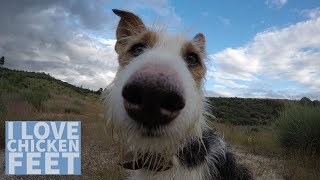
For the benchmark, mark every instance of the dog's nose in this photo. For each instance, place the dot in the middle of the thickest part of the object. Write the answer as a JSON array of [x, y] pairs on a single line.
[[153, 96]]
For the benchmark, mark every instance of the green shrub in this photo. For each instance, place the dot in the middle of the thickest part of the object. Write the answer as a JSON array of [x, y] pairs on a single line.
[[299, 127], [240, 111], [306, 101], [35, 97]]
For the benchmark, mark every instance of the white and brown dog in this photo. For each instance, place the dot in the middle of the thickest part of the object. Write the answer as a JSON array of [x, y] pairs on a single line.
[[156, 110]]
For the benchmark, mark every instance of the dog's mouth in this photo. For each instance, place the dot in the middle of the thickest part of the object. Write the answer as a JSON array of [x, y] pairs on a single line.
[[152, 132]]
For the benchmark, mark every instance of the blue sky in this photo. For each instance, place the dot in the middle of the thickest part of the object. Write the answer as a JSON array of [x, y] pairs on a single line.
[[255, 48], [234, 24]]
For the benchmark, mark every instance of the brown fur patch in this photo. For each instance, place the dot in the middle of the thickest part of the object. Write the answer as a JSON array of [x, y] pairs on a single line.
[[198, 71], [148, 38], [200, 41], [128, 25]]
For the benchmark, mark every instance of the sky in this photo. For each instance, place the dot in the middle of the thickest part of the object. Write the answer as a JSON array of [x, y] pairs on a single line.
[[255, 48]]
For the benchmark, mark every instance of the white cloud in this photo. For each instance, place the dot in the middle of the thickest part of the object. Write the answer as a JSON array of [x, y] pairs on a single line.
[[66, 38], [163, 8], [224, 21], [289, 54], [217, 94], [276, 3], [205, 13], [311, 13], [43, 37]]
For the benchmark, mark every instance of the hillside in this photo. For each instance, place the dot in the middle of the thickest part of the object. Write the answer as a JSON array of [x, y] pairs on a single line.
[[241, 111], [31, 95], [29, 85], [38, 96], [37, 88], [251, 111]]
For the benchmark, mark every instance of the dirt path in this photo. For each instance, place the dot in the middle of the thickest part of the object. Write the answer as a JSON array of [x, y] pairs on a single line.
[[98, 159], [2, 163], [263, 168], [97, 164]]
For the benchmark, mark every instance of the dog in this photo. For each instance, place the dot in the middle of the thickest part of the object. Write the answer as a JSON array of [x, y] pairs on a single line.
[[156, 111]]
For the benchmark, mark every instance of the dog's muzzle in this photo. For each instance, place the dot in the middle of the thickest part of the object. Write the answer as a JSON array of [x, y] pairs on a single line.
[[153, 96]]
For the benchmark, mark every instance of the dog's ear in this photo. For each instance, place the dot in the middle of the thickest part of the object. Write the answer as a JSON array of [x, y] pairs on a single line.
[[129, 24], [199, 41]]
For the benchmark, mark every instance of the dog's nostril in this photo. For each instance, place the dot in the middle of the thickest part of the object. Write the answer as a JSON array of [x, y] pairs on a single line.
[[173, 101], [132, 94]]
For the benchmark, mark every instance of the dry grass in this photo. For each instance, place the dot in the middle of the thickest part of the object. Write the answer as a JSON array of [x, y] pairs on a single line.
[[260, 140], [262, 167], [98, 157], [301, 165], [257, 146]]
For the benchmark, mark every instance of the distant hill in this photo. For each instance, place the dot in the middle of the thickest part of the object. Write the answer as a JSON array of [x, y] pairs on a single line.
[[15, 81], [37, 88], [242, 111], [252, 111], [31, 95]]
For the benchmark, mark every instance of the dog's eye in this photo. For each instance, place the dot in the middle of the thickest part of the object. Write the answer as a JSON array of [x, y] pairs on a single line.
[[192, 59], [137, 49]]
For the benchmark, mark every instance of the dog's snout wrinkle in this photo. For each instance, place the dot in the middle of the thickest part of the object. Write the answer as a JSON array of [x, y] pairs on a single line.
[[153, 98]]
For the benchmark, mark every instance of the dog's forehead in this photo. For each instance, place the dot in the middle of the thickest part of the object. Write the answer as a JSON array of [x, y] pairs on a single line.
[[171, 42]]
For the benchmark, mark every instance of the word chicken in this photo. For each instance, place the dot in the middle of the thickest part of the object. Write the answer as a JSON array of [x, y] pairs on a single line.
[[43, 147]]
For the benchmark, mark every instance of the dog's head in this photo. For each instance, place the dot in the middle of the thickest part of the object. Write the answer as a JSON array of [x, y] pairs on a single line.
[[155, 101]]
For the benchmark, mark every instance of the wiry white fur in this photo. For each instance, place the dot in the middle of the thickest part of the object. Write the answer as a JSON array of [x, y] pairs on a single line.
[[216, 152], [188, 124], [178, 172], [205, 171]]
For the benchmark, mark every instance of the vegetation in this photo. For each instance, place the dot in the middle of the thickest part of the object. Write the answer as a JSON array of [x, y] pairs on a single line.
[[24, 94], [284, 129], [240, 111], [14, 80], [259, 140], [292, 139], [299, 126], [2, 61]]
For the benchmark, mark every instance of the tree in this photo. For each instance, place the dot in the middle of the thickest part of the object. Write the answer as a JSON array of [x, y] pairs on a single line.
[[316, 103], [306, 101], [2, 61], [1, 64], [99, 91]]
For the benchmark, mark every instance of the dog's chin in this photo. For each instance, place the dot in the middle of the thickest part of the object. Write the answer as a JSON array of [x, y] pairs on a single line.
[[154, 132], [151, 134]]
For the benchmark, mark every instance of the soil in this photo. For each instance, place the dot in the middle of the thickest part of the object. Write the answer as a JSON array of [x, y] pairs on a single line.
[[98, 160], [263, 167]]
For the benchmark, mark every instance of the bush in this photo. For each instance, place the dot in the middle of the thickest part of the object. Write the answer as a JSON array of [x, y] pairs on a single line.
[[299, 127], [35, 97], [239, 111], [306, 101]]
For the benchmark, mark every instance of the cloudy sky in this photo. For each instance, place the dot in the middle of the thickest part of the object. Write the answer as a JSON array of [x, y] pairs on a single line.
[[264, 48]]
